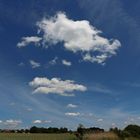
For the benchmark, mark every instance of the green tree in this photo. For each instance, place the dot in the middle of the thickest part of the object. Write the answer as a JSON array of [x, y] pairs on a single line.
[[80, 131], [133, 130]]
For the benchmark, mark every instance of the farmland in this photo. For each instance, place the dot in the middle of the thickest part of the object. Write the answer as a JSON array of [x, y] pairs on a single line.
[[106, 136], [99, 136], [15, 136], [131, 132]]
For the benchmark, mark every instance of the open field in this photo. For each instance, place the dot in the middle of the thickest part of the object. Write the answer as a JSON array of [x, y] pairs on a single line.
[[132, 139], [101, 136], [105, 136], [7, 136]]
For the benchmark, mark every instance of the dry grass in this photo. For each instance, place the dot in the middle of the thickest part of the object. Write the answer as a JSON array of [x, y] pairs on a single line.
[[101, 136], [132, 139]]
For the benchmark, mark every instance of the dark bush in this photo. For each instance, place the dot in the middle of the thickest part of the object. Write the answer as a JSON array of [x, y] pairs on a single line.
[[133, 130]]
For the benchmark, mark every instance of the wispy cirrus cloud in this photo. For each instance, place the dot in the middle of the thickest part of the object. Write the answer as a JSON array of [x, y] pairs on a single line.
[[100, 120], [29, 109], [47, 121], [56, 86], [132, 84], [21, 64], [34, 64], [53, 61], [96, 87]]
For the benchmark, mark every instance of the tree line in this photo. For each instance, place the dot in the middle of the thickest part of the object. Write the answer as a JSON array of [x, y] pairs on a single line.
[[35, 129], [129, 131]]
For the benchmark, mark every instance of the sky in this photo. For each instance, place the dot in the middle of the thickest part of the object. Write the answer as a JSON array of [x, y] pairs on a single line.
[[64, 63]]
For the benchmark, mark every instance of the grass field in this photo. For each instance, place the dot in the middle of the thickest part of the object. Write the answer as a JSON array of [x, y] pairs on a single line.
[[105, 136], [132, 139], [7, 136], [101, 136]]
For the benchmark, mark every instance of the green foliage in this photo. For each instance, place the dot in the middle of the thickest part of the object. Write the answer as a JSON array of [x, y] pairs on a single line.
[[35, 129], [80, 132], [129, 131], [133, 130]]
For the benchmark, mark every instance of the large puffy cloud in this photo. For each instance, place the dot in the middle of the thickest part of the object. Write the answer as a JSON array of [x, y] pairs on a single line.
[[56, 86], [27, 40], [78, 36]]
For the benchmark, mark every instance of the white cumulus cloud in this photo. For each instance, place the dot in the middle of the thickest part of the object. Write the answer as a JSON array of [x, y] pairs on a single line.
[[27, 40], [56, 86], [12, 123], [72, 114], [41, 121], [67, 63], [37, 121], [71, 106], [34, 64], [78, 36]]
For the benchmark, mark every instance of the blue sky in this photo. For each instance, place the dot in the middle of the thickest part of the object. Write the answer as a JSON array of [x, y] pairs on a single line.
[[68, 62]]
